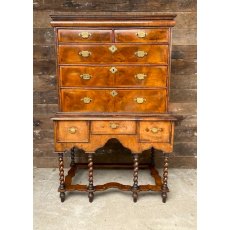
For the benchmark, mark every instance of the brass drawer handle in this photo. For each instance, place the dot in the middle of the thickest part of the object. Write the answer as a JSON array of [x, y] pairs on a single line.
[[72, 130], [140, 76], [85, 34], [156, 130], [85, 76], [141, 53], [114, 125], [141, 34], [140, 100], [86, 100], [85, 53]]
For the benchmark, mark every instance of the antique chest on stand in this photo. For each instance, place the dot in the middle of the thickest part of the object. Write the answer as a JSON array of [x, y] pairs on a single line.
[[113, 82]]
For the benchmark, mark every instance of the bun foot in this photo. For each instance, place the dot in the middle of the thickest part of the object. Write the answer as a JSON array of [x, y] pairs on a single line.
[[91, 196], [164, 197], [135, 195], [62, 196]]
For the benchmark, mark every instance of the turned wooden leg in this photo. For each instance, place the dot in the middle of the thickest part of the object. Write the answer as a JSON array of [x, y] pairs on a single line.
[[164, 188], [72, 154], [135, 178], [153, 157], [90, 186], [61, 174]]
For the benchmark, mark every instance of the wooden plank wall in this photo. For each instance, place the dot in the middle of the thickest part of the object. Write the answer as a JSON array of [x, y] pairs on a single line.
[[183, 79]]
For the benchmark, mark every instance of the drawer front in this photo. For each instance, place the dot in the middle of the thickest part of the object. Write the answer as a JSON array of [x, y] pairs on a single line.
[[156, 54], [86, 36], [71, 76], [155, 131], [136, 76], [114, 100], [113, 127], [141, 76], [72, 131], [143, 101], [73, 100], [142, 35]]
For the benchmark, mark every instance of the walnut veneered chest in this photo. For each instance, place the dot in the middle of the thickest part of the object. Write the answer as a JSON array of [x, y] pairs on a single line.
[[113, 82]]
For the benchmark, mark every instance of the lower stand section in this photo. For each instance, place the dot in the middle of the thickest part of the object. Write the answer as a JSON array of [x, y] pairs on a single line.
[[66, 184]]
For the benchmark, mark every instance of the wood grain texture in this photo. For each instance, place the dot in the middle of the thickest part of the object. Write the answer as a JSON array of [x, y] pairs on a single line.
[[155, 54], [116, 6]]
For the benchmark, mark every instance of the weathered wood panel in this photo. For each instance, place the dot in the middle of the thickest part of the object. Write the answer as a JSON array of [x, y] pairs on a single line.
[[41, 52], [44, 82], [183, 95], [185, 148], [116, 6], [183, 81]]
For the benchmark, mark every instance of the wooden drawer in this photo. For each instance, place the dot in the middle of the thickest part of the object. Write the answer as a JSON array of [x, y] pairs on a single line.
[[73, 100], [113, 127], [113, 100], [71, 76], [155, 131], [74, 54], [65, 35], [140, 101], [72, 131], [102, 76], [141, 76], [142, 35]]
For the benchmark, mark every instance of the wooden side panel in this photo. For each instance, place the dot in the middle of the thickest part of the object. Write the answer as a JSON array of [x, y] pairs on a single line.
[[113, 127], [155, 131], [142, 35], [71, 54], [65, 35]]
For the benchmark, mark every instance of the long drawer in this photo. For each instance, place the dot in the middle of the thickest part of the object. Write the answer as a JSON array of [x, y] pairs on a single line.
[[113, 100], [102, 76], [114, 53]]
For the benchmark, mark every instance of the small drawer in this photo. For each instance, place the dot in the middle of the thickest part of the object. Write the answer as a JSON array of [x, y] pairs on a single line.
[[84, 35], [142, 35], [155, 131], [113, 127], [72, 131]]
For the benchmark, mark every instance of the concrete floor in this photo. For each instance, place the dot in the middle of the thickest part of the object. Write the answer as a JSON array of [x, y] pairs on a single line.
[[114, 209]]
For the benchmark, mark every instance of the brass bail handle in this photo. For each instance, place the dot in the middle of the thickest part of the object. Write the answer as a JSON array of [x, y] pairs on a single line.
[[72, 130], [85, 34], [156, 130], [140, 100], [114, 125], [141, 53], [85, 53], [141, 34], [86, 100]]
